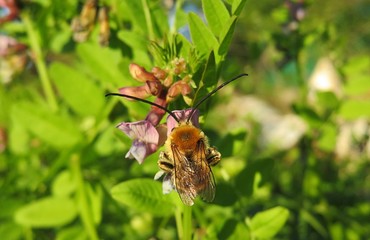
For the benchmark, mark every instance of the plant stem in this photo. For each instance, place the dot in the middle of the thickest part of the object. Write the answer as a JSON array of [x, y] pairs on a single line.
[[34, 41], [187, 223], [82, 201], [148, 19]]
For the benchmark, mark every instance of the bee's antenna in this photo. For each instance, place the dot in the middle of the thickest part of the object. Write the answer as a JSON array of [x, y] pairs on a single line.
[[144, 101], [211, 93]]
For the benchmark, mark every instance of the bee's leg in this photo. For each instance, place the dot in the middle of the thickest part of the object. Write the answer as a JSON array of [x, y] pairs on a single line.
[[165, 162], [213, 156]]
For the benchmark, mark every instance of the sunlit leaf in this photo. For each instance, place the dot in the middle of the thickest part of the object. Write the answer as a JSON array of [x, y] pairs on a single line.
[[237, 6], [47, 212], [56, 130], [216, 14], [102, 62], [267, 224], [144, 195], [226, 35], [202, 37], [63, 185], [81, 93]]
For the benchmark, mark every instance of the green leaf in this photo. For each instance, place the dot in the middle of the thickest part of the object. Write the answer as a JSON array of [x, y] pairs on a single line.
[[47, 212], [208, 79], [237, 6], [78, 91], [139, 47], [102, 62], [352, 109], [328, 139], [96, 202], [226, 36], [63, 185], [144, 195], [56, 130], [202, 37], [267, 224], [135, 11], [216, 14]]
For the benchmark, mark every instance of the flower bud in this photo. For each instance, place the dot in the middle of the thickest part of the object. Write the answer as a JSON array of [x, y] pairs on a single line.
[[179, 87], [139, 73], [159, 73]]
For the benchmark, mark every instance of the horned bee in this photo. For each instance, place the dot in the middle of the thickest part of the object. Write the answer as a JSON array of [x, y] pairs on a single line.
[[186, 160], [187, 157]]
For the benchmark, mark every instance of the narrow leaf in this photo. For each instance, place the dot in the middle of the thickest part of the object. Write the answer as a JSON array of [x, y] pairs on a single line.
[[216, 14], [226, 36], [47, 212], [144, 195], [202, 37], [80, 92], [237, 6], [267, 224]]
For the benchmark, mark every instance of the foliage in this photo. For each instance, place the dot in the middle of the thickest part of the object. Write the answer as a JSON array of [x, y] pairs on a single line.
[[300, 175]]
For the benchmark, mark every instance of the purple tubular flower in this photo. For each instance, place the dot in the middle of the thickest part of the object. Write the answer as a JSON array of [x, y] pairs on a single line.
[[145, 139], [182, 115]]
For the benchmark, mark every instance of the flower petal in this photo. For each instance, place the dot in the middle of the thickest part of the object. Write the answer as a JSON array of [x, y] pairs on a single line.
[[145, 139]]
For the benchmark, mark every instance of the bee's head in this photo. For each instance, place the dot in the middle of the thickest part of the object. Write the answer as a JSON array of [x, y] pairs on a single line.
[[186, 136]]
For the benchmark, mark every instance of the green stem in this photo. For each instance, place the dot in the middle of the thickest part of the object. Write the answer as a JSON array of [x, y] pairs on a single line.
[[187, 223], [83, 204], [34, 42], [179, 222], [148, 19]]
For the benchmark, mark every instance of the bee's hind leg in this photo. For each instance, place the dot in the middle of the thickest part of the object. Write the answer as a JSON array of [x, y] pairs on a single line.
[[213, 156], [165, 162]]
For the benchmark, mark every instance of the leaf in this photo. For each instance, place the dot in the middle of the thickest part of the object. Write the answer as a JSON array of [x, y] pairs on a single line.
[[96, 202], [56, 130], [63, 185], [216, 14], [237, 6], [139, 46], [202, 37], [78, 91], [102, 62], [226, 36], [144, 195], [135, 11], [356, 108], [47, 212], [267, 224]]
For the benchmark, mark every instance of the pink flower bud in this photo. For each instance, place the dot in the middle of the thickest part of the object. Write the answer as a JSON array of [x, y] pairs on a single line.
[[139, 73], [179, 87], [159, 73], [140, 91]]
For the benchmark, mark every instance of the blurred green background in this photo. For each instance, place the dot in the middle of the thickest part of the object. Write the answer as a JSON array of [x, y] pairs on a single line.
[[294, 134]]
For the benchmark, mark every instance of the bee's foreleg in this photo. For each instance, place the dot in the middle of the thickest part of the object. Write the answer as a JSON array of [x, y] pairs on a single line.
[[213, 156], [165, 162]]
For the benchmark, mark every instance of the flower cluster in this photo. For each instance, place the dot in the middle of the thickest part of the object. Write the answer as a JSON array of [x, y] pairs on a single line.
[[165, 84]]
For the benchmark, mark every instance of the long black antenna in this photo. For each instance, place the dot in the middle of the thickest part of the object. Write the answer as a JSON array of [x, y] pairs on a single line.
[[195, 107], [145, 101]]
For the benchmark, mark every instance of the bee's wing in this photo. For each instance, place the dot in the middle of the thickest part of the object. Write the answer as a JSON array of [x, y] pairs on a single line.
[[183, 175], [193, 175], [205, 177]]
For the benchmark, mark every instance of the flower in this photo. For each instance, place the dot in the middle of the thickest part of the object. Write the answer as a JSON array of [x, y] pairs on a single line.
[[145, 139]]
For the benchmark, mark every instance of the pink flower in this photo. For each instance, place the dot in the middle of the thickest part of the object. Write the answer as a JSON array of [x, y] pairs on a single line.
[[145, 139], [182, 115]]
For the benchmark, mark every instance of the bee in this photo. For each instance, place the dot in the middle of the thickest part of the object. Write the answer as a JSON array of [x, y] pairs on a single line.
[[188, 157]]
